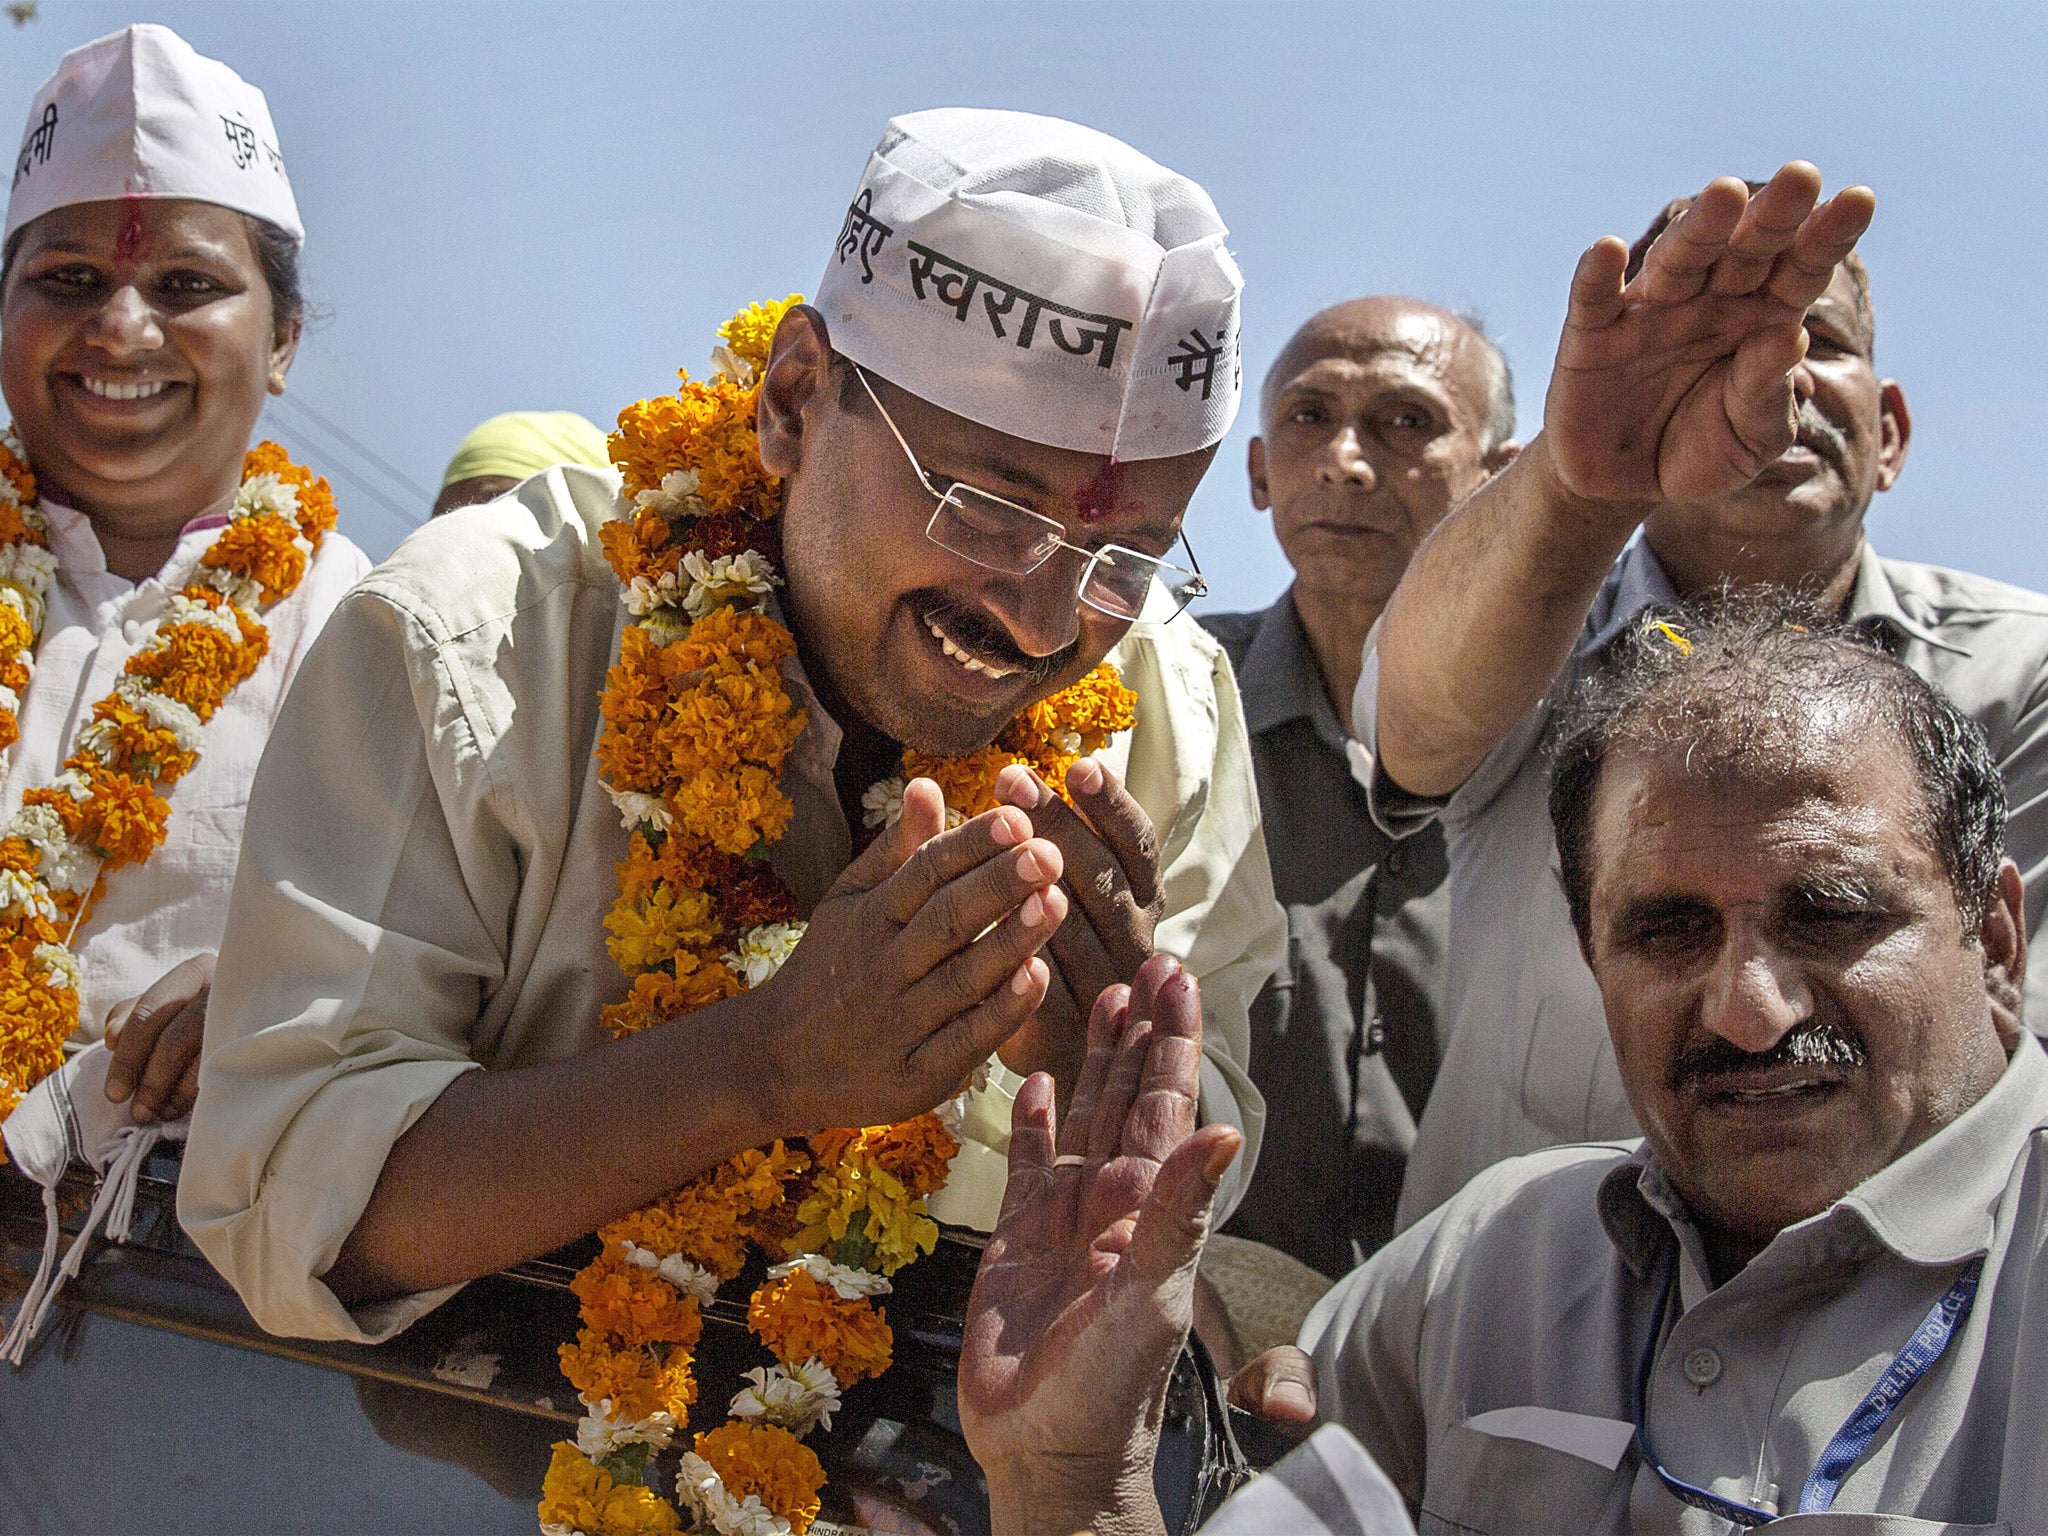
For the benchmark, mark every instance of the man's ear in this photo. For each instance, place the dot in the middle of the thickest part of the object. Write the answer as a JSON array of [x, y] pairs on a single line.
[[799, 375], [1894, 432], [1255, 468], [2004, 940]]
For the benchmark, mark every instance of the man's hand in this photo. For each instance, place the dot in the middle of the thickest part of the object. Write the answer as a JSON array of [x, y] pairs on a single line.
[[1279, 1386], [919, 962], [1677, 387], [1112, 872], [1086, 1288], [155, 1039]]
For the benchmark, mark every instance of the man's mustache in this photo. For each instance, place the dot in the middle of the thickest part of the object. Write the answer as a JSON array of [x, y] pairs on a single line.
[[1822, 436], [987, 639], [1816, 1044]]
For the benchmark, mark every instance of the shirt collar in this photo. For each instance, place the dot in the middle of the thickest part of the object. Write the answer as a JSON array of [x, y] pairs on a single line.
[[1935, 1205], [78, 551], [1638, 581], [1874, 600], [1280, 679]]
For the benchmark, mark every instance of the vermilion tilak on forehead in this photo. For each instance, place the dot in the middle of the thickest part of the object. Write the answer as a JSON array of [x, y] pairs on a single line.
[[1097, 499], [128, 243]]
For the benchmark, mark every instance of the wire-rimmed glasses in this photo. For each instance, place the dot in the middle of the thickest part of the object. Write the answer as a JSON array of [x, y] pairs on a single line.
[[1003, 535]]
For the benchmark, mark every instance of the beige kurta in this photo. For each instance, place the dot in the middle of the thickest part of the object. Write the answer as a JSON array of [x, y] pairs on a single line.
[[430, 855]]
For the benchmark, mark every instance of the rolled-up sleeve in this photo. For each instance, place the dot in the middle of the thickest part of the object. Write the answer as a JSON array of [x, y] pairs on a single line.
[[353, 970]]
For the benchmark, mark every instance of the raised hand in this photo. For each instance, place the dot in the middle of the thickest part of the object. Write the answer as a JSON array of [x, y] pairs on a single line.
[[1086, 1288], [1111, 854], [1676, 386], [919, 962]]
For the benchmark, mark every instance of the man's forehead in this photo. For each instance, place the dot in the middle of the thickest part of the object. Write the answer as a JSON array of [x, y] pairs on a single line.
[[1347, 342], [1829, 804]]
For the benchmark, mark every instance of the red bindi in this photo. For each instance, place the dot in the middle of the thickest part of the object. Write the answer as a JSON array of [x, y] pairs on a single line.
[[128, 243], [1097, 499]]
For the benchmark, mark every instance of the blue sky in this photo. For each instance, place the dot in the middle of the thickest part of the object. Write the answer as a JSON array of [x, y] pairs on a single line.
[[553, 205]]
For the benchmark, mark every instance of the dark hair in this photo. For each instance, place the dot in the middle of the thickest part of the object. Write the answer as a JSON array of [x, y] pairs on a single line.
[[1741, 680], [277, 254], [1859, 274]]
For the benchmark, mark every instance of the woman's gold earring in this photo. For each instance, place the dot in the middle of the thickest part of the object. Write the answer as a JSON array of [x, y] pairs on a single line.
[[277, 381]]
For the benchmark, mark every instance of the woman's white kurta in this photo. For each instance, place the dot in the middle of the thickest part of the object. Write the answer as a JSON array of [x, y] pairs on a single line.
[[430, 856], [155, 915]]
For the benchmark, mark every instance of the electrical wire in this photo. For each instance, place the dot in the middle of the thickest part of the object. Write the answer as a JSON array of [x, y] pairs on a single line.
[[297, 402]]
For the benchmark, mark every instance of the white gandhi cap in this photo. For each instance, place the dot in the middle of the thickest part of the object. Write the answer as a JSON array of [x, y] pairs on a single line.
[[139, 114], [1042, 279]]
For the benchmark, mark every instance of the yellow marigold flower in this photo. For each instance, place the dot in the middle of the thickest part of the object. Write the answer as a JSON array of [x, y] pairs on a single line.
[[797, 1318], [750, 332], [770, 1463], [632, 1305], [580, 1495], [647, 931]]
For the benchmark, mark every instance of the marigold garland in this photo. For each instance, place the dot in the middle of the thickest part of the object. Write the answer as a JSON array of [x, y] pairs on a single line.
[[108, 805], [697, 724]]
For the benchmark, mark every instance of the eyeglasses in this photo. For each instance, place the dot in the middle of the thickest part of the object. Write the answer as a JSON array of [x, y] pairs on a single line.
[[1003, 535]]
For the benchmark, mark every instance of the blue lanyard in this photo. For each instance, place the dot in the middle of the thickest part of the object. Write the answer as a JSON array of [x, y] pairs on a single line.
[[1927, 1345]]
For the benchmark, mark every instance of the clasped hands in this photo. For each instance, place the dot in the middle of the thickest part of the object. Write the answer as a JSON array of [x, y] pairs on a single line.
[[939, 946]]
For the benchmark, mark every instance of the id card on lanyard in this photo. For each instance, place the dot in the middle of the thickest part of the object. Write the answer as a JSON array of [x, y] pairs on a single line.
[[1929, 1342]]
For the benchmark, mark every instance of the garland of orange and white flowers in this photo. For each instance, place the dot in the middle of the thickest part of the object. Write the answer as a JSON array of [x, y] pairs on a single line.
[[107, 808], [697, 724]]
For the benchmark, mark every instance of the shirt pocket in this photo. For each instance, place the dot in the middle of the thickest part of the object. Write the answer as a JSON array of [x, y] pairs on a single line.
[[1493, 1485]]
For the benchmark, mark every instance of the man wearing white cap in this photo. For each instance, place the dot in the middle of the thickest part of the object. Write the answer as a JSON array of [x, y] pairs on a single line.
[[1020, 361], [159, 581]]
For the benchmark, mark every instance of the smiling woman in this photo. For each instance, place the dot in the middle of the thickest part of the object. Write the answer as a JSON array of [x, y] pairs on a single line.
[[140, 541]]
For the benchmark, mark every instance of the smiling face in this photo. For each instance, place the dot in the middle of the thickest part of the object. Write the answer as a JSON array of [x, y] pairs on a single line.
[[928, 648], [1374, 427], [1794, 997], [1804, 514], [136, 341]]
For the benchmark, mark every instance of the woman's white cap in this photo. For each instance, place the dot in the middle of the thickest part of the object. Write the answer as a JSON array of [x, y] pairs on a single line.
[[139, 114], [1042, 279]]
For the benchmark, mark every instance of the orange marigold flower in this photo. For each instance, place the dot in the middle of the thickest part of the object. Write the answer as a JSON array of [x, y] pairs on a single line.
[[797, 1318], [918, 1151], [768, 1462], [638, 1379], [263, 548], [735, 810], [639, 546], [632, 1305], [968, 783]]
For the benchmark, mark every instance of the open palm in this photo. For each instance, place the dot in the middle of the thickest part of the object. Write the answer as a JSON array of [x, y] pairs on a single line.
[[1675, 387], [1086, 1288]]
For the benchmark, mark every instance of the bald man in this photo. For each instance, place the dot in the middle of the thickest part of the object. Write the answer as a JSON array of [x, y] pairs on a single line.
[[1377, 417]]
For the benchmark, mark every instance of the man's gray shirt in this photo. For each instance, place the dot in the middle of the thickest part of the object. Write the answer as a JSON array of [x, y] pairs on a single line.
[[1487, 1357], [1346, 1037], [1529, 1063]]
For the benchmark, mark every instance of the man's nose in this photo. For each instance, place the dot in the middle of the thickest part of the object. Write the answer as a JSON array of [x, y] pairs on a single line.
[[1756, 994], [126, 324], [1041, 610], [1345, 464]]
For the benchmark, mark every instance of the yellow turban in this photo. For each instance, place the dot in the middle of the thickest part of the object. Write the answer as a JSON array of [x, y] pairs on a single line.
[[522, 443]]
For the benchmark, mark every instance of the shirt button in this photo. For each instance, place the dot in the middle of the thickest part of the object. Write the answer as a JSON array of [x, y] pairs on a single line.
[[1702, 1366]]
